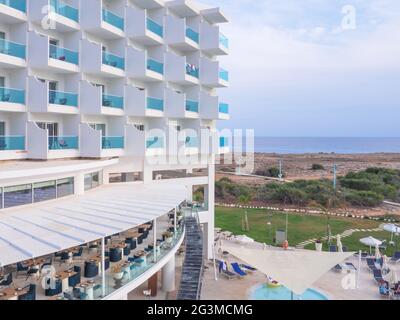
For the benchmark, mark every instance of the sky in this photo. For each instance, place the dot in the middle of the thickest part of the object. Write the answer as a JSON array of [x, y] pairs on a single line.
[[313, 68]]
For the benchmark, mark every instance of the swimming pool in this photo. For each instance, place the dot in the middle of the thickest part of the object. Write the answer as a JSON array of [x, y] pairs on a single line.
[[262, 292]]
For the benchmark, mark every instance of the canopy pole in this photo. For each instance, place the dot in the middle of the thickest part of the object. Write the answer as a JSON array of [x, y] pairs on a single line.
[[215, 263], [103, 266], [155, 239], [359, 270]]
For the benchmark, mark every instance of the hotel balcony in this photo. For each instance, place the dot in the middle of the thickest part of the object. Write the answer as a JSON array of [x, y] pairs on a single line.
[[43, 55], [64, 13], [213, 41], [102, 22], [12, 137], [192, 145], [212, 75], [140, 104], [209, 106], [192, 109], [94, 145], [223, 109], [155, 145], [180, 36], [144, 29], [13, 11], [43, 146], [42, 99], [12, 54], [93, 101], [178, 70], [101, 63], [142, 67], [12, 100]]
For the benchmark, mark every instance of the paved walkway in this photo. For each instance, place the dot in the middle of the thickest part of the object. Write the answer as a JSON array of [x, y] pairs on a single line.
[[343, 235]]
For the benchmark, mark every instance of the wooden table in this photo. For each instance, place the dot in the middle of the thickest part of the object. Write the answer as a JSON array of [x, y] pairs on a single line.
[[116, 245], [12, 293], [133, 234], [34, 262]]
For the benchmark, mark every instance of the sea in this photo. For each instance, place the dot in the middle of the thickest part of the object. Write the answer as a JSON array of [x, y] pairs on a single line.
[[326, 145]]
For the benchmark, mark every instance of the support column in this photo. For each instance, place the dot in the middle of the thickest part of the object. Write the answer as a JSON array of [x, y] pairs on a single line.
[[208, 227], [155, 240], [79, 184], [153, 284], [103, 267], [168, 276]]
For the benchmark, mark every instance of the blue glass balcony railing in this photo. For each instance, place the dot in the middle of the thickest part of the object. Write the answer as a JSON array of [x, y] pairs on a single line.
[[15, 4], [65, 10], [113, 19], [155, 104], [223, 40], [223, 142], [12, 49], [63, 143], [155, 27], [192, 70], [112, 60], [113, 101], [10, 143], [192, 106], [63, 98], [224, 108], [192, 35], [223, 74], [155, 143], [12, 95], [155, 66], [63, 54], [112, 143], [192, 142]]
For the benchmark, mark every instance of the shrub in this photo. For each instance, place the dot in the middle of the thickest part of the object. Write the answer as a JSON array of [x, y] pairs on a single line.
[[316, 167], [269, 172]]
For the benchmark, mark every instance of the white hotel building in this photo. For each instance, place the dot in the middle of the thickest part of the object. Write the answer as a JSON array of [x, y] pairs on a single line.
[[92, 93]]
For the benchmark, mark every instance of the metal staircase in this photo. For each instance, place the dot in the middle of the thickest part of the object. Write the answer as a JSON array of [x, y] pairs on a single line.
[[192, 269]]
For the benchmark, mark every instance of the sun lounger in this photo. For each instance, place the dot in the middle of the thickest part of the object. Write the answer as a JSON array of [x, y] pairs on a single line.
[[228, 274], [378, 275], [351, 266], [371, 264], [332, 248], [396, 257], [248, 268], [238, 270], [338, 268]]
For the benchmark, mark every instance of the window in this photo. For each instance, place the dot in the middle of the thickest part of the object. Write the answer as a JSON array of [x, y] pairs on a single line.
[[65, 187], [2, 128], [50, 126], [2, 35], [92, 180], [53, 42], [17, 195], [139, 127], [126, 177], [44, 191]]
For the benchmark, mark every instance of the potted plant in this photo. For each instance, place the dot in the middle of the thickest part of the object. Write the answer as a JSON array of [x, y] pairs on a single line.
[[318, 245]]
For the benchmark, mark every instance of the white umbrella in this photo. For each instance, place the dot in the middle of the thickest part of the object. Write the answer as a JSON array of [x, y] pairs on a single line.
[[244, 239], [377, 253], [392, 228], [371, 242], [339, 243], [391, 277]]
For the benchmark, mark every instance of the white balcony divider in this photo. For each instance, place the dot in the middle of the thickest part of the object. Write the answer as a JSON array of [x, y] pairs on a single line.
[[136, 24], [38, 50], [90, 141], [175, 30], [38, 95], [135, 101], [136, 63], [91, 56], [91, 14], [209, 106], [36, 8], [135, 141], [174, 104], [175, 67], [37, 141], [90, 98]]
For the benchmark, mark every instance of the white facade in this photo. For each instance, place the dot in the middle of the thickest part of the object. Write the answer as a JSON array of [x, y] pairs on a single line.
[[94, 79]]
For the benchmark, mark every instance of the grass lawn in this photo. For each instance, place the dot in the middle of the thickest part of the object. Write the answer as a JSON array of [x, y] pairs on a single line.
[[301, 227]]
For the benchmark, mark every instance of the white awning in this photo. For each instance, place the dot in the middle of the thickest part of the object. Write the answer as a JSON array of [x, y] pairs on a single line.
[[61, 224], [296, 269]]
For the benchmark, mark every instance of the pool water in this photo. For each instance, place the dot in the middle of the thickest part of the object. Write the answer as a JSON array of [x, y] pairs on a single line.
[[262, 292]]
